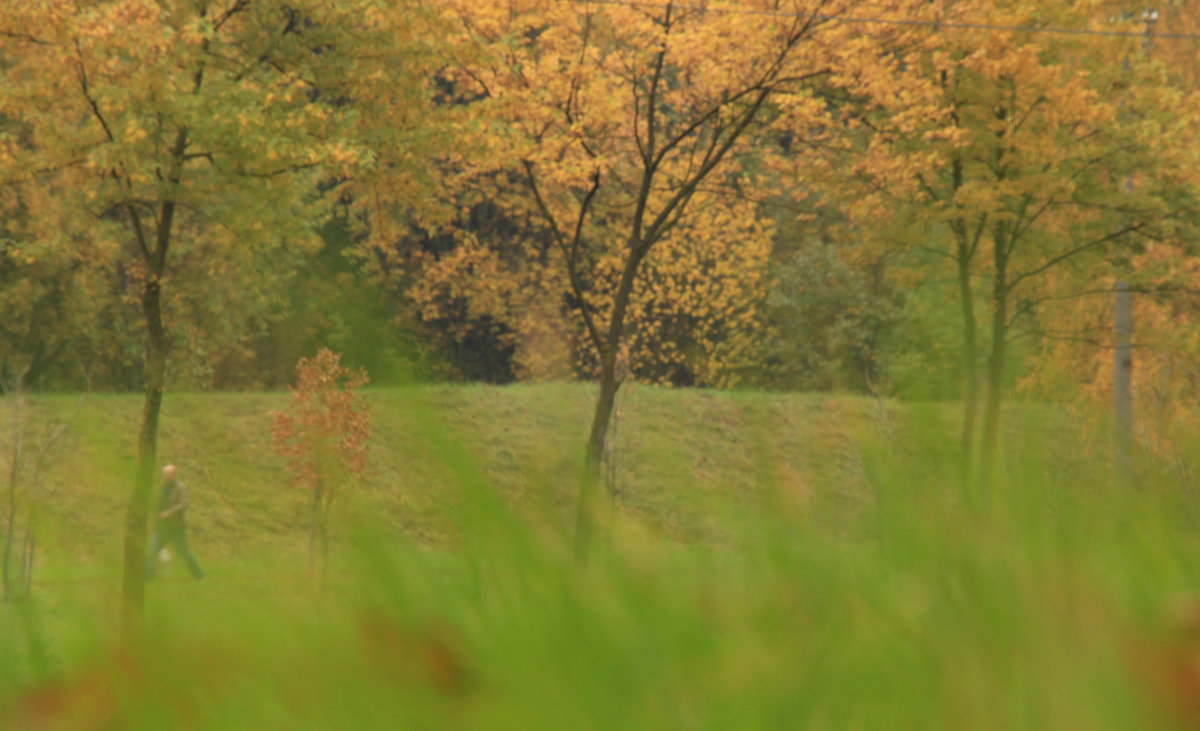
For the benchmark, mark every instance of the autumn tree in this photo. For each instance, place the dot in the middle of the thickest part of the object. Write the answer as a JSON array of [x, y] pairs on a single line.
[[627, 125], [1077, 354], [324, 438], [1024, 168], [215, 130]]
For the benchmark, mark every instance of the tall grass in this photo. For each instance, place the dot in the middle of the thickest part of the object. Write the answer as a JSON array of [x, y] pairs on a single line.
[[860, 592]]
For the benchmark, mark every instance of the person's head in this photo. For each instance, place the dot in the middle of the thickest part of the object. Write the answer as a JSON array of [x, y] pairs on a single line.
[[170, 473]]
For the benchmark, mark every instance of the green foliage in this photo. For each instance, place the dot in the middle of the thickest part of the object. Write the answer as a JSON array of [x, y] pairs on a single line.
[[924, 357], [197, 146], [832, 323], [331, 302]]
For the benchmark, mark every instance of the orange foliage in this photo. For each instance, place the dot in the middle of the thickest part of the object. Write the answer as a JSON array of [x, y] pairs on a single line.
[[326, 433], [629, 144]]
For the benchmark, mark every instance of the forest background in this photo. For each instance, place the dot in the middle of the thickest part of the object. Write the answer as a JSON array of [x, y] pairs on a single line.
[[912, 199]]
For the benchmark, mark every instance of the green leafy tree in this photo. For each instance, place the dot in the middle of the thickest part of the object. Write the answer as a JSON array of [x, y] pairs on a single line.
[[830, 322], [209, 132]]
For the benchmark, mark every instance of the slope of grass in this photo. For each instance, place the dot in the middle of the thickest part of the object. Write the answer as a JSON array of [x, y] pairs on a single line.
[[780, 561], [682, 458]]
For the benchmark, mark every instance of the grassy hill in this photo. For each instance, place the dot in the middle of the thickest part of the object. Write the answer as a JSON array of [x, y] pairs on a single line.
[[779, 561], [688, 461]]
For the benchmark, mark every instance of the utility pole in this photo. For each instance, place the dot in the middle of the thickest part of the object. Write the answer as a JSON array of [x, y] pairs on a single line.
[[1122, 388], [1123, 352]]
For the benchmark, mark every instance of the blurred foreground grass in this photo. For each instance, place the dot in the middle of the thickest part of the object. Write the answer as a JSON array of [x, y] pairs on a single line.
[[776, 562]]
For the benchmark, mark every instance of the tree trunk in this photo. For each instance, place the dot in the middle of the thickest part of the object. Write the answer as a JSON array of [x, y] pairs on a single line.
[[314, 532], [14, 476], [10, 530], [995, 383], [134, 575], [593, 469], [326, 506], [154, 254], [8, 540], [970, 364], [28, 548]]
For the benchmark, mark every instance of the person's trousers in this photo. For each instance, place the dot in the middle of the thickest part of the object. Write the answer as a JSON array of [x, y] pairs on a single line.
[[174, 536]]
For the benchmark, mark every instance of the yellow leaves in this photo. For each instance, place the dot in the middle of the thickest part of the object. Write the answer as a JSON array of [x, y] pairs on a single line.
[[977, 196], [134, 132], [702, 287]]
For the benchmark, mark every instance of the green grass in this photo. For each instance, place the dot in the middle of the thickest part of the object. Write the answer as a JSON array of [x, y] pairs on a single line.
[[777, 561]]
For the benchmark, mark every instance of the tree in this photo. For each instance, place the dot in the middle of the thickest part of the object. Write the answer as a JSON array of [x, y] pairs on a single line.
[[831, 322], [1027, 165], [216, 130], [1076, 327], [626, 124], [33, 447], [324, 439]]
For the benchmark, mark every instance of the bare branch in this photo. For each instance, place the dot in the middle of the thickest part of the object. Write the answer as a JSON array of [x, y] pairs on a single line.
[[33, 174], [1054, 261], [24, 37], [237, 7], [280, 171], [688, 188], [87, 94], [569, 251]]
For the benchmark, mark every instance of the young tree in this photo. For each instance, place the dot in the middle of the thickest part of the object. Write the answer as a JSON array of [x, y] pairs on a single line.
[[619, 119], [211, 128], [1027, 167], [324, 439], [33, 447], [15, 396], [1076, 326]]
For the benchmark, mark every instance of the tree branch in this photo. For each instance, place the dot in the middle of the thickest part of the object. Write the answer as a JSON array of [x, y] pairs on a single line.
[[651, 160], [688, 188], [237, 7], [1069, 253], [87, 94], [138, 232], [24, 37], [569, 252]]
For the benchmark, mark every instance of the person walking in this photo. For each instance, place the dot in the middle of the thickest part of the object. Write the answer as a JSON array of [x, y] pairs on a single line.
[[170, 527]]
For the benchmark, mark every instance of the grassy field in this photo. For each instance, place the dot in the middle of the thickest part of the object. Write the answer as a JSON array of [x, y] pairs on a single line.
[[776, 561]]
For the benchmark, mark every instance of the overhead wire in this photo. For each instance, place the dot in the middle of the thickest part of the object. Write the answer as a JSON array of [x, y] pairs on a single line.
[[879, 20]]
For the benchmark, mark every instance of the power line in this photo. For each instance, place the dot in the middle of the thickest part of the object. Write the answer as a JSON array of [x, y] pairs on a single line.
[[897, 21]]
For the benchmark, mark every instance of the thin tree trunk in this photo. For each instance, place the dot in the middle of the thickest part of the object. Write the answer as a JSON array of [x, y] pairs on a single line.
[[30, 545], [136, 512], [970, 365], [314, 532], [133, 585], [991, 414], [967, 243], [10, 530], [14, 476], [326, 506], [593, 469]]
